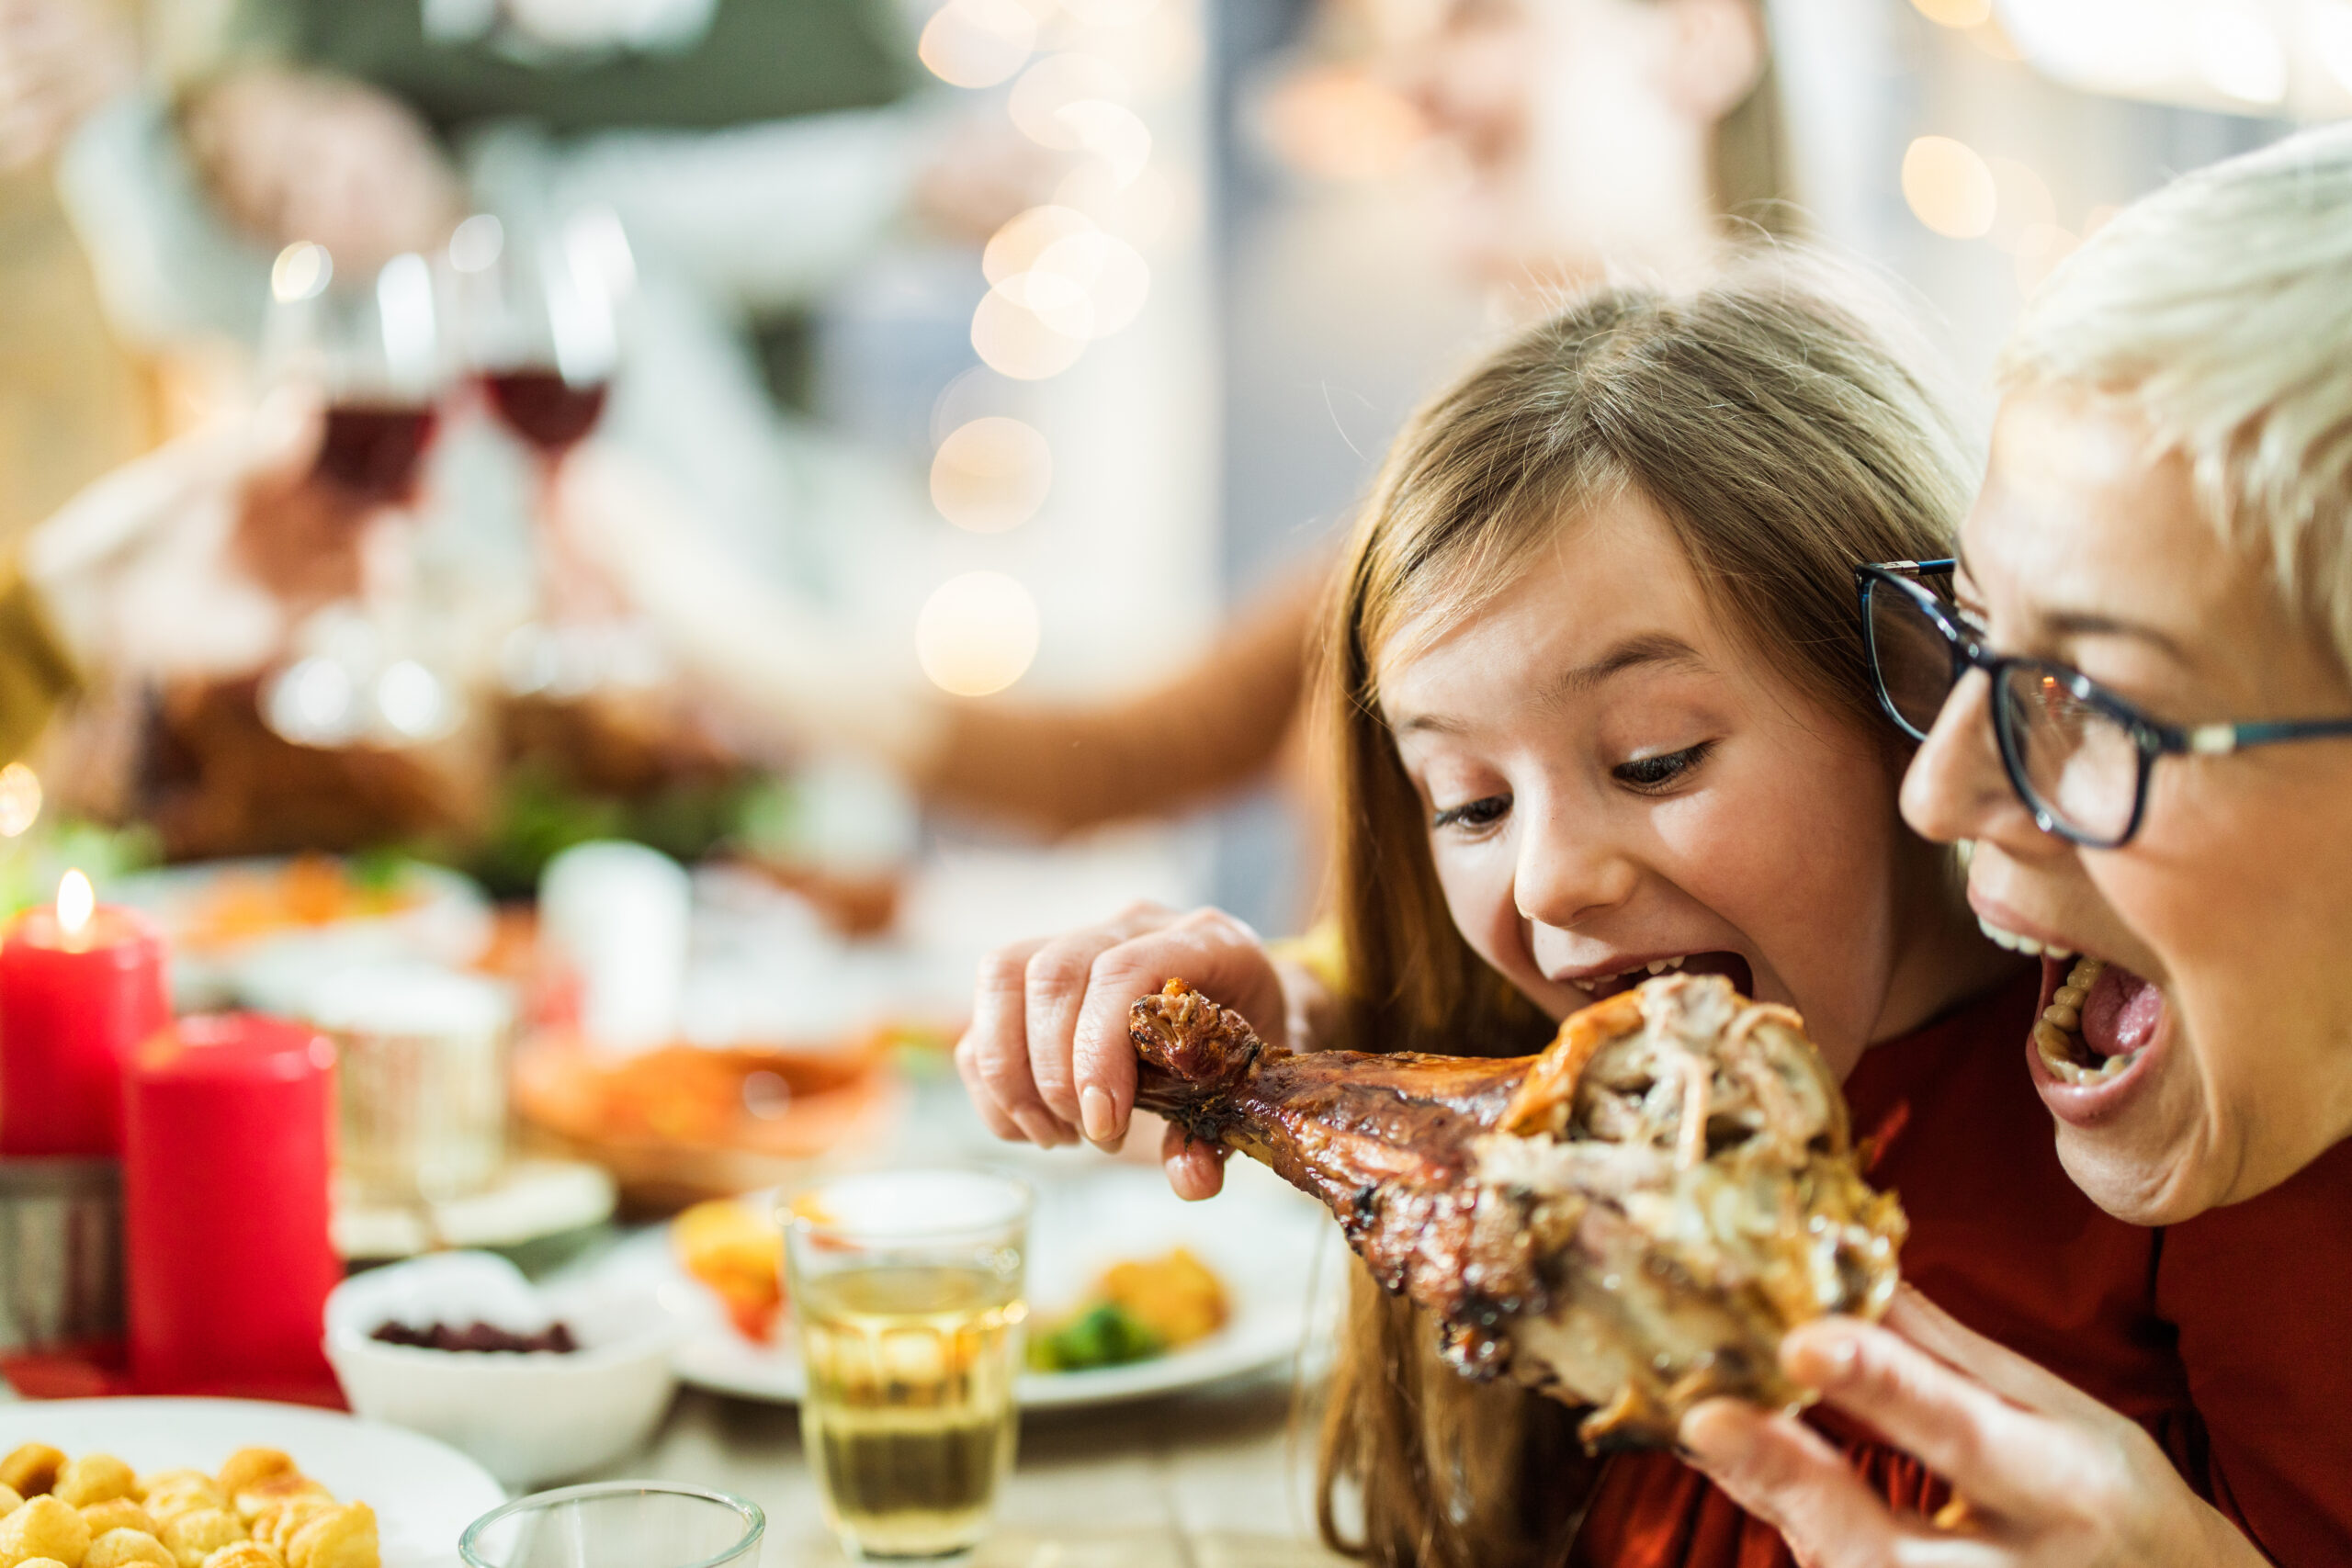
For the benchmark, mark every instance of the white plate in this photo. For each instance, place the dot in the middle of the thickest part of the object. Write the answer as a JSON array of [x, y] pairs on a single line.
[[425, 1492], [450, 924], [1273, 1248]]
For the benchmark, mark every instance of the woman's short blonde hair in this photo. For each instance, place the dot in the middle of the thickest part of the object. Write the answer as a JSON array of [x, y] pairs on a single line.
[[2220, 310]]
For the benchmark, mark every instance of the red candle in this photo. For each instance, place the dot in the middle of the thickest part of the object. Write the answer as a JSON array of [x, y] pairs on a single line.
[[80, 987], [225, 1178]]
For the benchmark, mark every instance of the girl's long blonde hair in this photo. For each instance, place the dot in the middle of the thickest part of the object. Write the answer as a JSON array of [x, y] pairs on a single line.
[[1783, 439]]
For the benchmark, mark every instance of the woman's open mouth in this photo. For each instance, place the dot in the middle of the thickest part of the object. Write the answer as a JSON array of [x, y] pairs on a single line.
[[2097, 1021]]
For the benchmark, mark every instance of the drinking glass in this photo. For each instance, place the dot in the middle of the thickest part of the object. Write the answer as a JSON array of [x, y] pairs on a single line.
[[906, 1292], [364, 670], [618, 1524], [540, 323]]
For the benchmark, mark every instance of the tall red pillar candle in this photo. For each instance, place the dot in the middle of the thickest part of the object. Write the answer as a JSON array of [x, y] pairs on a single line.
[[227, 1162], [80, 987]]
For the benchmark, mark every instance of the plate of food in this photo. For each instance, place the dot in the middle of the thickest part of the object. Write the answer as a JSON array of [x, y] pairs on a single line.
[[232, 1484], [246, 930], [1133, 1292]]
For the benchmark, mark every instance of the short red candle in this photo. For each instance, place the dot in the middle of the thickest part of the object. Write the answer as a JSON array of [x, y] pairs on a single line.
[[72, 1007], [225, 1178]]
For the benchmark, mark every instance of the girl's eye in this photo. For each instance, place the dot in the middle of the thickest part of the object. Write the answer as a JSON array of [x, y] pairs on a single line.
[[1665, 768], [1474, 814]]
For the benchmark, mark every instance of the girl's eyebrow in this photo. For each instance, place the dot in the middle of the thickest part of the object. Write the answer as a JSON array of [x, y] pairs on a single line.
[[1641, 650], [1638, 651]]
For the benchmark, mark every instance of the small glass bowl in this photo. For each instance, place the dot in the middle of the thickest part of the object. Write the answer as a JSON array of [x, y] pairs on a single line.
[[618, 1524]]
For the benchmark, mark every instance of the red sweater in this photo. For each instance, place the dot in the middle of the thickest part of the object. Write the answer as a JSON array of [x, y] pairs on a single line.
[[2001, 1239]]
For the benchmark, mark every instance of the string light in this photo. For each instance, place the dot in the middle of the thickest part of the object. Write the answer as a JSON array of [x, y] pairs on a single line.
[[20, 797], [977, 634], [978, 43], [1948, 187], [2238, 53], [992, 474]]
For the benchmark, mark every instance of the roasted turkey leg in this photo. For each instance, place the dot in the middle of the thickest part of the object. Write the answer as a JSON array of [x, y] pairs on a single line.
[[1629, 1221]]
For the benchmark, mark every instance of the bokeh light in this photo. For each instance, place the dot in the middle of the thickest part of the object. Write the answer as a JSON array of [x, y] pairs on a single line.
[[1052, 85], [1012, 339], [978, 43], [1949, 187], [19, 799], [1103, 268], [476, 243], [1110, 13], [1016, 247], [301, 271], [992, 474], [977, 634], [2022, 203], [1111, 132], [1955, 12]]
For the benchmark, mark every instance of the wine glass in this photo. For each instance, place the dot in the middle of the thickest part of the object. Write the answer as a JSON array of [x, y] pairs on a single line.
[[542, 330], [377, 347], [542, 322]]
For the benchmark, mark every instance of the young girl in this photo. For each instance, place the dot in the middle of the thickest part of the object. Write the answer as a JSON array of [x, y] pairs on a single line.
[[1600, 708]]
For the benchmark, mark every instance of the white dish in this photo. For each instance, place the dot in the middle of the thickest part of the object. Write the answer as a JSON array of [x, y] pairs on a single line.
[[530, 1418], [1273, 1248], [425, 1493]]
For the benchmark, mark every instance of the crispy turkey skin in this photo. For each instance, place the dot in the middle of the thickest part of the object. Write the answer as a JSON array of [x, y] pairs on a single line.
[[1629, 1221]]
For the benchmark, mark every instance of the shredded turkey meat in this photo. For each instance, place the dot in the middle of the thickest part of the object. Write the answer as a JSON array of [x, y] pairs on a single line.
[[1628, 1222]]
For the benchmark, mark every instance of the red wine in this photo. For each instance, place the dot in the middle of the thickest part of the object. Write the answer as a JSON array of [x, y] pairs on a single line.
[[545, 410], [372, 449]]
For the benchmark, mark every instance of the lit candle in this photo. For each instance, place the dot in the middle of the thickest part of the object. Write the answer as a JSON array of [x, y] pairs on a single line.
[[81, 985], [225, 1192]]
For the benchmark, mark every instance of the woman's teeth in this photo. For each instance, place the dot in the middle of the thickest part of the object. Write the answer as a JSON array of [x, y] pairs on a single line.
[[1655, 966], [2057, 1037], [2015, 942]]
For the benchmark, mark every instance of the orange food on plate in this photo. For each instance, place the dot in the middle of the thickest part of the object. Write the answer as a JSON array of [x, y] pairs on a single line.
[[1175, 1295], [739, 1256], [309, 890]]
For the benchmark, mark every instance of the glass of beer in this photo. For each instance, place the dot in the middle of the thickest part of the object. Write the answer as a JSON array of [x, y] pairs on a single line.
[[906, 1286]]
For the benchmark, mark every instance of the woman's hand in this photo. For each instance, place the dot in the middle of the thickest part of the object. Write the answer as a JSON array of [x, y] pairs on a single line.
[[2052, 1477], [1048, 1056]]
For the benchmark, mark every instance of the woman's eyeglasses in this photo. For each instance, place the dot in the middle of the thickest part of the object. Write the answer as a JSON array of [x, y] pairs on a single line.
[[2079, 755]]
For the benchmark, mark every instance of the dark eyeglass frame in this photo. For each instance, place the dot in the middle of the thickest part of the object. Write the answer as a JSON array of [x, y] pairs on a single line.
[[2152, 738]]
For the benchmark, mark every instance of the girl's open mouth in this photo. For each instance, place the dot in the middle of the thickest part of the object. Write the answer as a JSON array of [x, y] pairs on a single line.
[[1731, 965], [2097, 1021]]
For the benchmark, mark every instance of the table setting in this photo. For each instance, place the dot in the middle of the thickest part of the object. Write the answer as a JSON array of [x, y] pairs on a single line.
[[559, 1232]]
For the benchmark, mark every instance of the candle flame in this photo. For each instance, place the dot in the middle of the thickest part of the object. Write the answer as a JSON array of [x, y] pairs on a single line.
[[75, 902]]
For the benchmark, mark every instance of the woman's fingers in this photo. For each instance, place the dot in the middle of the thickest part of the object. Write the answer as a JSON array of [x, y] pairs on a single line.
[[1208, 949], [1783, 1472], [2002, 1370], [993, 1055], [2001, 1457], [1196, 1170]]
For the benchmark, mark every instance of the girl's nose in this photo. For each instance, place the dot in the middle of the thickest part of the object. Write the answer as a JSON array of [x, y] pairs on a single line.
[[1569, 869], [1956, 787]]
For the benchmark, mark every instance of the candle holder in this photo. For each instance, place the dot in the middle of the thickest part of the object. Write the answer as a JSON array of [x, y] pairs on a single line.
[[61, 1255]]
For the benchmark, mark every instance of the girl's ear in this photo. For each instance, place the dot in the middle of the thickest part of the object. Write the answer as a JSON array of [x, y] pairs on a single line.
[[1715, 55]]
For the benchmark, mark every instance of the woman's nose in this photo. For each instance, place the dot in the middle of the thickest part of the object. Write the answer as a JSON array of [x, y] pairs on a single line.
[[1956, 787], [1566, 871]]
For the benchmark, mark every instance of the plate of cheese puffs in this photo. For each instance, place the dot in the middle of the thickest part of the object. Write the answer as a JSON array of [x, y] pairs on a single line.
[[228, 1483]]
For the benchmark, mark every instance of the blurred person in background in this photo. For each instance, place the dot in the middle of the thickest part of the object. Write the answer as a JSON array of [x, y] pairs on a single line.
[[1510, 90]]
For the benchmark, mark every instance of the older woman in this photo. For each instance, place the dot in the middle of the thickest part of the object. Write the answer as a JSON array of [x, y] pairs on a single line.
[[2136, 702]]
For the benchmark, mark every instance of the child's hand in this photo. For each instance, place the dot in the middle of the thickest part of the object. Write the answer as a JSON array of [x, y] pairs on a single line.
[[1048, 1056]]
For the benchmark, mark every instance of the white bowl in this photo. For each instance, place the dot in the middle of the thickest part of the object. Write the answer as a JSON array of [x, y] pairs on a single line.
[[530, 1418]]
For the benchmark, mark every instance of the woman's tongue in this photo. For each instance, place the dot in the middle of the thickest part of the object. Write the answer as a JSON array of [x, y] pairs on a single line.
[[2121, 1012]]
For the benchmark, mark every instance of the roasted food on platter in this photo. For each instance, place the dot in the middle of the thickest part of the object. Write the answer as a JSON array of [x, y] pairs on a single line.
[[1630, 1221], [260, 1511], [737, 1253], [1140, 1308]]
